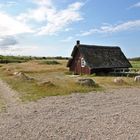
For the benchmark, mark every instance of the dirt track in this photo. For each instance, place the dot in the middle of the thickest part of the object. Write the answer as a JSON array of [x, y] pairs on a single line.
[[113, 115]]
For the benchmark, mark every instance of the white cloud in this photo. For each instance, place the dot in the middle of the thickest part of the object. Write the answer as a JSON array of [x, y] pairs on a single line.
[[19, 50], [44, 9], [130, 25], [136, 5], [39, 15], [31, 50], [10, 26], [60, 19], [54, 20], [75, 6], [43, 2]]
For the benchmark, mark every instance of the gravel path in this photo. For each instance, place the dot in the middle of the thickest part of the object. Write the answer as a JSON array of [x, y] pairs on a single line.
[[112, 115], [8, 95]]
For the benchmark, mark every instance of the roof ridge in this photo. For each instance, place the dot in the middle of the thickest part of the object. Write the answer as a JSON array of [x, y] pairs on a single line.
[[84, 45]]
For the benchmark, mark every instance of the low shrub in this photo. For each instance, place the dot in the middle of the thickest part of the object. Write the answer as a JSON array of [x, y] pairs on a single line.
[[50, 62], [6, 61]]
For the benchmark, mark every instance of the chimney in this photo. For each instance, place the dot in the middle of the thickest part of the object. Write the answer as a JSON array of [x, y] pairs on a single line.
[[78, 42]]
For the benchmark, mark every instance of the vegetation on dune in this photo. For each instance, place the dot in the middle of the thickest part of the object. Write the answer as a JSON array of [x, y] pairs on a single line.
[[14, 59], [49, 80], [32, 91], [135, 64], [50, 62], [51, 77], [134, 59], [20, 59]]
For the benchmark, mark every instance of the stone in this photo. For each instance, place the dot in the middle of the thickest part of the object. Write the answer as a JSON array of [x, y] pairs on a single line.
[[137, 78], [118, 80], [86, 82], [46, 83], [22, 76], [8, 69]]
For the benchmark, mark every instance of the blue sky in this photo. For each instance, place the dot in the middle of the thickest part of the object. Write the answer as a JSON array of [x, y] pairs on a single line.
[[51, 27]]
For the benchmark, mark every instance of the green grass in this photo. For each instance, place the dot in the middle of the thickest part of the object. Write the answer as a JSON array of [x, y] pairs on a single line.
[[21, 59], [135, 64], [13, 59], [50, 62]]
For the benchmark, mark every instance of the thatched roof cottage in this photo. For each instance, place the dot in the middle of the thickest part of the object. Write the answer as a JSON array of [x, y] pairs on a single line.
[[88, 59]]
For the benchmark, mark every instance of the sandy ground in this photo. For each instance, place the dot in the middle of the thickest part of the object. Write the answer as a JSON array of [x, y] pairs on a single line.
[[110, 115]]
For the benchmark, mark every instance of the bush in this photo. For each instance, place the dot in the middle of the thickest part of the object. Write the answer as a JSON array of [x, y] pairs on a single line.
[[13, 59], [53, 62], [5, 61], [134, 59]]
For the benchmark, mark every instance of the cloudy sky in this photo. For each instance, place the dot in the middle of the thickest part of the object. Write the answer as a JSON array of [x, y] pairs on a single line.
[[51, 27]]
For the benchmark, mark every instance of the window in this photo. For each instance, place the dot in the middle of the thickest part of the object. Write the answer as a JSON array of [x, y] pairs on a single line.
[[83, 63]]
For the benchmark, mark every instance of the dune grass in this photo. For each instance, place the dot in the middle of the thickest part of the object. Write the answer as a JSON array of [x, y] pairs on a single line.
[[61, 84], [32, 90], [57, 77]]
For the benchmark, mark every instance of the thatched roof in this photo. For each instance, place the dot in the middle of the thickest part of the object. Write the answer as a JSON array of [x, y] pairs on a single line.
[[101, 56]]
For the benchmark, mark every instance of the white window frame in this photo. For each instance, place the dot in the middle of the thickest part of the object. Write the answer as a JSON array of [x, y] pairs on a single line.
[[83, 62]]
